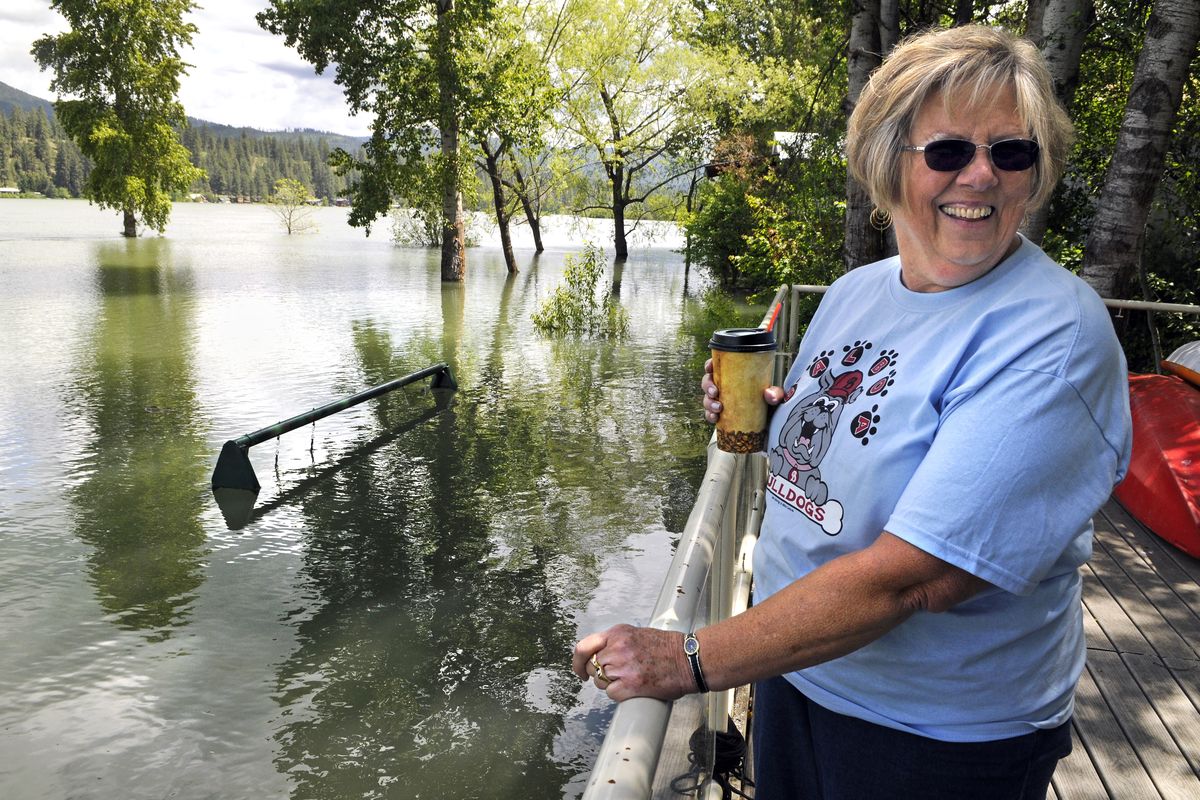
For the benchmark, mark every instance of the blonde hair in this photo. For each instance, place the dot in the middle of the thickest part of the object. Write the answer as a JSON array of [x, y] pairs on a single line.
[[970, 62]]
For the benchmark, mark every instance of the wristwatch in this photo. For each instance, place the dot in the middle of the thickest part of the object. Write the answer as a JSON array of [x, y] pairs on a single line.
[[691, 649]]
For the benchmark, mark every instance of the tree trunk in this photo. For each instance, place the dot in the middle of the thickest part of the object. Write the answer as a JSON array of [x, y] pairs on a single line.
[[1114, 246], [1063, 28], [863, 243], [454, 255], [130, 231], [614, 166], [1034, 11], [493, 171], [619, 241], [889, 25], [531, 215], [964, 12]]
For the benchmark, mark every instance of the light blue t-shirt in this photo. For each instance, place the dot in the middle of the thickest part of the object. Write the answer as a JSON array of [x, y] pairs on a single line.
[[984, 425]]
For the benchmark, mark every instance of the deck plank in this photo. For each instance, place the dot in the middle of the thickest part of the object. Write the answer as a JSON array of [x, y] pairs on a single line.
[[1119, 630], [1122, 773], [1178, 711], [1076, 777], [1177, 567], [1137, 718], [1140, 609], [1142, 727], [1168, 596]]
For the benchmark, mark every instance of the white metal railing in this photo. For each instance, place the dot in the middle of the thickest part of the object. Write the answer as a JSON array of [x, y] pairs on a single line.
[[712, 562]]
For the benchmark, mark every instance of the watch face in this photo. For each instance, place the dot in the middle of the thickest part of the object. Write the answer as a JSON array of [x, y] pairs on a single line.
[[691, 645]]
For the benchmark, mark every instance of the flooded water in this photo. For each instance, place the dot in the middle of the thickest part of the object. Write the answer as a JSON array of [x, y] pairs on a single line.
[[395, 618]]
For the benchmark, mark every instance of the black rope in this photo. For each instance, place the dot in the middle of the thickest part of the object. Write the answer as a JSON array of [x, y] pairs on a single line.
[[729, 756]]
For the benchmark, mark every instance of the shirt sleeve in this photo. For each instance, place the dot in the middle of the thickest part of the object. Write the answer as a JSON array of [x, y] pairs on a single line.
[[1012, 478]]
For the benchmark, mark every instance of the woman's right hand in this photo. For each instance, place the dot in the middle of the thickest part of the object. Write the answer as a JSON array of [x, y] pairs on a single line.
[[773, 395]]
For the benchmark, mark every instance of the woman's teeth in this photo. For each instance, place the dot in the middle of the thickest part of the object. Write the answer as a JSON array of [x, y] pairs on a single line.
[[965, 212]]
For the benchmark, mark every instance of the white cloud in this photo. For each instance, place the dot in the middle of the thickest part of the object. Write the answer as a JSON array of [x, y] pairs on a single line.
[[240, 74]]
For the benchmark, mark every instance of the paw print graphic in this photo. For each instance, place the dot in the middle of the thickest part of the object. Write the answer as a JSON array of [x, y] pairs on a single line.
[[886, 359], [819, 364], [854, 354], [880, 386], [863, 426]]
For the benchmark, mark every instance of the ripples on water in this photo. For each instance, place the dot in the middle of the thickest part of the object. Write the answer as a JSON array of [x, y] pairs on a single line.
[[395, 619]]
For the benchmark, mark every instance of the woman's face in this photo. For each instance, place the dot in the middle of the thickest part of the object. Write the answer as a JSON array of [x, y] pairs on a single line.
[[953, 227]]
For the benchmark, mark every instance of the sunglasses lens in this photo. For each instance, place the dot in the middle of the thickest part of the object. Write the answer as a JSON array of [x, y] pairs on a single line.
[[949, 155], [1010, 155], [1015, 154]]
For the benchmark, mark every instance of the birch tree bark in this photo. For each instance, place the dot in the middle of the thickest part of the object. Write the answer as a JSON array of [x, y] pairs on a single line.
[[889, 25], [1114, 246], [1062, 29]]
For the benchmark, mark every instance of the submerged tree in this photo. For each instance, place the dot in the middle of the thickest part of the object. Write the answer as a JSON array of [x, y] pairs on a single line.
[[631, 86], [512, 121], [119, 65], [407, 63], [581, 306], [292, 204]]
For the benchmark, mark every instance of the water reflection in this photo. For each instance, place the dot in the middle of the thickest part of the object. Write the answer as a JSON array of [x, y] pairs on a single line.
[[137, 504], [395, 617]]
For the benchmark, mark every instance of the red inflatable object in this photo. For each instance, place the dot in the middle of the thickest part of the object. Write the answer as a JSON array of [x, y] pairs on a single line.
[[1162, 489]]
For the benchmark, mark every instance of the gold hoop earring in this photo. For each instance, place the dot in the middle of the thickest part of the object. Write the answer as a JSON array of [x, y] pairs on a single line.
[[881, 220]]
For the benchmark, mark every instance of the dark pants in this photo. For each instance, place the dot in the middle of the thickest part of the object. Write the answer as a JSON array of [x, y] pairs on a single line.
[[805, 752]]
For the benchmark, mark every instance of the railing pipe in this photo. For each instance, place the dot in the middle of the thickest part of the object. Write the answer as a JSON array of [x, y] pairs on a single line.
[[628, 758], [233, 469], [443, 380], [716, 547], [1147, 305]]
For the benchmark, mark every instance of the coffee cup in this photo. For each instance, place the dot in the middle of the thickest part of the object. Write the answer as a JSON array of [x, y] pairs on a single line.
[[743, 365]]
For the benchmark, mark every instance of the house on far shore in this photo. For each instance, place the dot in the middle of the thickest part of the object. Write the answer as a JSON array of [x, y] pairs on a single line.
[[9, 190]]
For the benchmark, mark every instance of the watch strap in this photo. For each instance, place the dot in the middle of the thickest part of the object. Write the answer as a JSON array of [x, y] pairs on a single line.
[[691, 648]]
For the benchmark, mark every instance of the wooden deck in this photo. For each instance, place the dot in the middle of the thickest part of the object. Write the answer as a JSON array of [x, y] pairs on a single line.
[[1137, 711]]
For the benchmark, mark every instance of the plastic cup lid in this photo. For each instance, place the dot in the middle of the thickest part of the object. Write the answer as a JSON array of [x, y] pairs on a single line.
[[743, 340]]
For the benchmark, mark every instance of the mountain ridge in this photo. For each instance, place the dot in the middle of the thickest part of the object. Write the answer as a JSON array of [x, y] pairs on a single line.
[[12, 97]]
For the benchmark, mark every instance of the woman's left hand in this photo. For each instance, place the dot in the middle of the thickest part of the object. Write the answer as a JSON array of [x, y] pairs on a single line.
[[627, 662]]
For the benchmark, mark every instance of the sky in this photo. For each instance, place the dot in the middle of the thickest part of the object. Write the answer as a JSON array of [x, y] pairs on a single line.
[[240, 74]]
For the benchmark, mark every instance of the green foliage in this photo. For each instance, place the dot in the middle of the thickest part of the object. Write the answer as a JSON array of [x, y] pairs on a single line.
[[717, 230], [291, 202], [583, 307], [418, 218], [410, 65], [120, 63], [768, 221], [717, 310]]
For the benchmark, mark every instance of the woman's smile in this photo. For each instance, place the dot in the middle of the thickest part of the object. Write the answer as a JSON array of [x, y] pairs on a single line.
[[954, 227]]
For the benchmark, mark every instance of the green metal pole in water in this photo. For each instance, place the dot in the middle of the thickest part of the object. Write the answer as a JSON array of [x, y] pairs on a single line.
[[234, 470]]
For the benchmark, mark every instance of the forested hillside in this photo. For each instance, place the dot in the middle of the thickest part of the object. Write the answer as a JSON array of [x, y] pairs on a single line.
[[37, 156]]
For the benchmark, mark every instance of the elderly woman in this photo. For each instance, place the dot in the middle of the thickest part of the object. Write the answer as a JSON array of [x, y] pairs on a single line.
[[954, 417]]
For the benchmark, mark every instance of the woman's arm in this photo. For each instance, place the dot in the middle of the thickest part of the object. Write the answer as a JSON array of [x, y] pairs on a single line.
[[834, 610]]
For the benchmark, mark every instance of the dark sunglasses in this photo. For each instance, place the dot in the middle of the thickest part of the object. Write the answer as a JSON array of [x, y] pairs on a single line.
[[951, 155]]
